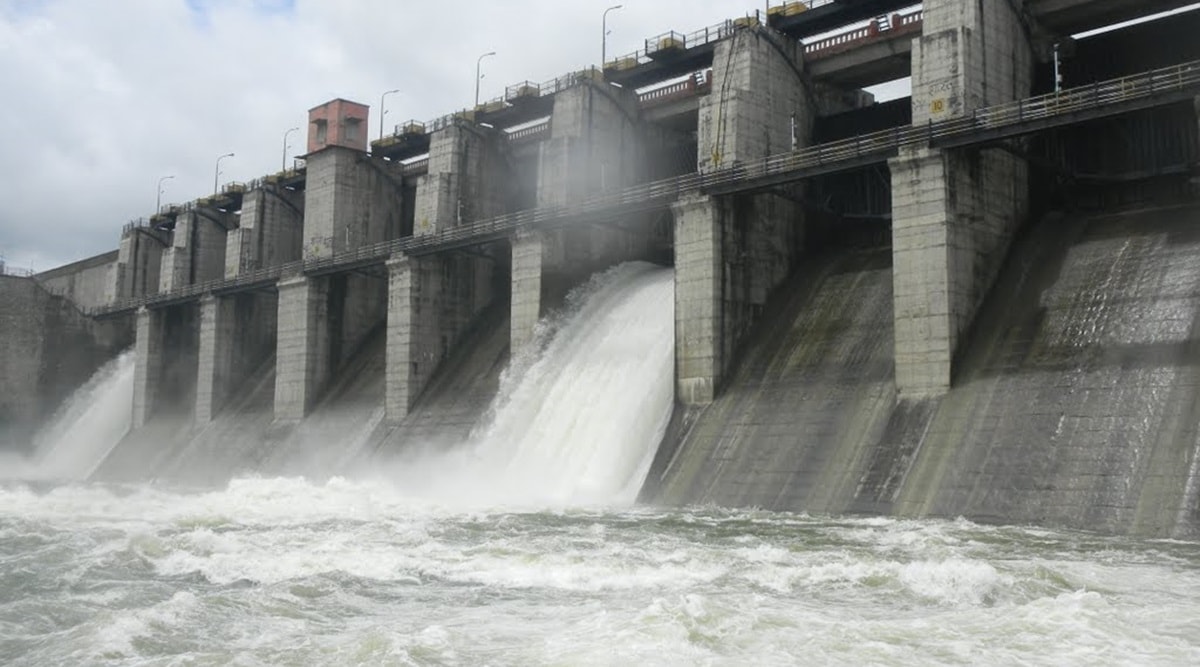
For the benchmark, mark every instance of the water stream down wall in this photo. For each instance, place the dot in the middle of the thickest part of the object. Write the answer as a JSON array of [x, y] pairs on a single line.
[[1075, 402]]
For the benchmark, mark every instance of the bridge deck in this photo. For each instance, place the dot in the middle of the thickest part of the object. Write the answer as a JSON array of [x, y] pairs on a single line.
[[1108, 98]]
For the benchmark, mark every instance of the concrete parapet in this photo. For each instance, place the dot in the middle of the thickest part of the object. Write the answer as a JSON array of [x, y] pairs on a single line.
[[465, 180], [302, 351], [89, 283], [270, 231], [351, 200]]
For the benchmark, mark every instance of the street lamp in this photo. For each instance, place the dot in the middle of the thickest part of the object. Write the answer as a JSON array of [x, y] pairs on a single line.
[[217, 171], [158, 197], [382, 111], [604, 35], [283, 163], [479, 74]]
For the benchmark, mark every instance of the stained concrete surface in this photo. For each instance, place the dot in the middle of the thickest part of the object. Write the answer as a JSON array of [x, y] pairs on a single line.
[[1076, 400]]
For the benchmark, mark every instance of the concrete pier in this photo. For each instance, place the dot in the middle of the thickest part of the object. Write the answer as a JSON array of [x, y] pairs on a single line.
[[465, 181], [197, 252], [529, 257], [147, 369], [954, 213], [351, 200], [237, 335], [302, 352], [731, 252], [269, 233], [165, 363], [432, 303], [139, 262], [596, 144]]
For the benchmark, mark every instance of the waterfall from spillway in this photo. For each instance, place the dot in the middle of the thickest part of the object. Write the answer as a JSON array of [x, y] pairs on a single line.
[[87, 426], [579, 422]]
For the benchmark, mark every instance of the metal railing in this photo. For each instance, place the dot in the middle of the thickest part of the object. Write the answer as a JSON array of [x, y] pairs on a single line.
[[877, 145], [901, 24], [535, 131]]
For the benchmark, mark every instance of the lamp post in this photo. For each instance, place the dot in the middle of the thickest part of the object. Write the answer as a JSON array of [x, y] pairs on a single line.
[[479, 73], [283, 162], [158, 197], [217, 171], [604, 35], [382, 111]]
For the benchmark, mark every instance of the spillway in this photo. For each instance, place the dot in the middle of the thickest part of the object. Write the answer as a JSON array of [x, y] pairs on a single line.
[[1073, 404], [813, 388], [83, 432], [579, 421]]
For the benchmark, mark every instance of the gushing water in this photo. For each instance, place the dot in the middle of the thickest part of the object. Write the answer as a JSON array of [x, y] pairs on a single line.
[[89, 424], [579, 423]]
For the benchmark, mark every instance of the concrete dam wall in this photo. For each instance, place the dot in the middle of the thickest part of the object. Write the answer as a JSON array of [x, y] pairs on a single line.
[[976, 301], [1074, 402]]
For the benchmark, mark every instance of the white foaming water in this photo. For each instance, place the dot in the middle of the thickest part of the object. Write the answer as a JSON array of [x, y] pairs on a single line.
[[84, 430], [581, 423], [284, 571]]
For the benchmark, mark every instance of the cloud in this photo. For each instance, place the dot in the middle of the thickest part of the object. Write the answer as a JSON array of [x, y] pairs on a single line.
[[104, 98]]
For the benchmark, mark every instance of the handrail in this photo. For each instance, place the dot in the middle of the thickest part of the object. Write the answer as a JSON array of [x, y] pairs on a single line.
[[901, 24], [1180, 77]]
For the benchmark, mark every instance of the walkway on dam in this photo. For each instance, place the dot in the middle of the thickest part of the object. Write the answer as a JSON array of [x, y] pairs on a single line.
[[987, 125]]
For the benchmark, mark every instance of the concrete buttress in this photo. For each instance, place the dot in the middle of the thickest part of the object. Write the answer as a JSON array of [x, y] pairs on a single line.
[[197, 252], [302, 351], [217, 341], [148, 364], [432, 302], [731, 252], [269, 233], [465, 180], [351, 200], [954, 212]]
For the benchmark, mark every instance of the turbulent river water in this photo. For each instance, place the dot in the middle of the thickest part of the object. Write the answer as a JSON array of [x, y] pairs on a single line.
[[524, 547], [285, 572]]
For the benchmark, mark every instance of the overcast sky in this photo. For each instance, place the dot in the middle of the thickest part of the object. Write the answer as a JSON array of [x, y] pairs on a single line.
[[102, 98]]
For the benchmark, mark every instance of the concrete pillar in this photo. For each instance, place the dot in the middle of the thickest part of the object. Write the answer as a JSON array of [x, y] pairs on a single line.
[[302, 350], [269, 232], [351, 200], [698, 280], [147, 365], [732, 252], [954, 213], [529, 257], [758, 95], [197, 252], [595, 144], [407, 369], [432, 302], [464, 182], [217, 344], [139, 262]]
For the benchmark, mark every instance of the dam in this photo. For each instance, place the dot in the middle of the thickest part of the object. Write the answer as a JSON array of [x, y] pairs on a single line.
[[976, 301]]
